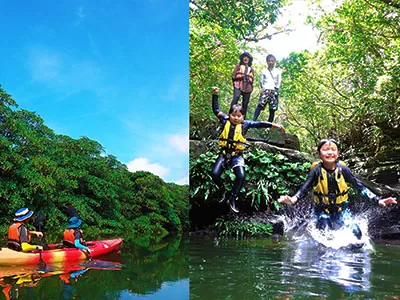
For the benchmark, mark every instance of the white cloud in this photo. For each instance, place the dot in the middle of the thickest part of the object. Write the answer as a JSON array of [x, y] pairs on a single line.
[[179, 142], [143, 164], [182, 181]]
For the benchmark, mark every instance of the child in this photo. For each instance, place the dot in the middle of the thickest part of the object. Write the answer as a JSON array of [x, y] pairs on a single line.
[[19, 236], [330, 181], [232, 143], [270, 81], [243, 77], [73, 236]]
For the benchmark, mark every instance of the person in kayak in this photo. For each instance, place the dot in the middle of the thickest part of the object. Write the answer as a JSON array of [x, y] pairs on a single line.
[[242, 78], [331, 180], [73, 236], [232, 143], [19, 236]]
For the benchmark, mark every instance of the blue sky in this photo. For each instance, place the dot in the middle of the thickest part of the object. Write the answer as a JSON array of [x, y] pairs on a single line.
[[114, 71]]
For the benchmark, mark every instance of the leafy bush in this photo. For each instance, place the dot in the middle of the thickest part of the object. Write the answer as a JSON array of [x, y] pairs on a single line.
[[268, 175], [242, 228]]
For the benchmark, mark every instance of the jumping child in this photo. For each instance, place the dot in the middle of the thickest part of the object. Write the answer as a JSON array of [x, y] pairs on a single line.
[[232, 143], [330, 180]]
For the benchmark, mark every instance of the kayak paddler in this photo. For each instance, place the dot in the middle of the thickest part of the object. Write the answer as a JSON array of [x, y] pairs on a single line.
[[73, 236], [19, 236]]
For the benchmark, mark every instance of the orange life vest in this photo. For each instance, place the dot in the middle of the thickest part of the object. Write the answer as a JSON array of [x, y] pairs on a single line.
[[14, 238], [69, 238]]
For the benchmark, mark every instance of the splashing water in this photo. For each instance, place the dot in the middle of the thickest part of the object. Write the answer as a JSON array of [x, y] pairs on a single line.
[[344, 237], [301, 226], [312, 253]]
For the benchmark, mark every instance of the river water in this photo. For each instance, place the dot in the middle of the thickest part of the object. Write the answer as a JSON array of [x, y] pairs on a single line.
[[217, 268], [291, 269], [159, 272]]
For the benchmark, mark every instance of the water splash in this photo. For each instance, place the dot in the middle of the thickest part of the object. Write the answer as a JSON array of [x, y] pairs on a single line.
[[300, 224], [315, 254]]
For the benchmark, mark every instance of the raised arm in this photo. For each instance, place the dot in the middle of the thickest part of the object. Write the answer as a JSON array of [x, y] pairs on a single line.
[[220, 115]]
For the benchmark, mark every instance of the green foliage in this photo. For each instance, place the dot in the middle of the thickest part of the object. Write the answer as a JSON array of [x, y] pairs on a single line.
[[147, 229], [270, 175], [350, 88], [242, 228], [46, 172], [200, 176], [246, 20], [267, 176]]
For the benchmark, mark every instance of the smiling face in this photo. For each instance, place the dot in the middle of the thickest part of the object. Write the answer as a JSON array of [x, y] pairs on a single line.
[[329, 154], [236, 117], [245, 60]]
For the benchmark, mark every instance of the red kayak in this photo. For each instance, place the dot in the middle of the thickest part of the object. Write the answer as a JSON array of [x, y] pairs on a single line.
[[55, 255]]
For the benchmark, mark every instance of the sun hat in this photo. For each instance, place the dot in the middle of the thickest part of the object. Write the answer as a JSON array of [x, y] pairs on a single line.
[[23, 214], [74, 222]]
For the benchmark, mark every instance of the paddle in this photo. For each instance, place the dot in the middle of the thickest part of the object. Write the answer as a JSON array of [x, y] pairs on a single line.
[[88, 255], [39, 219]]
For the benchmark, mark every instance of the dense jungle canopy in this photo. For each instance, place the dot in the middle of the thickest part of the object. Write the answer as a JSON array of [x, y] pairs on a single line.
[[348, 89], [46, 172]]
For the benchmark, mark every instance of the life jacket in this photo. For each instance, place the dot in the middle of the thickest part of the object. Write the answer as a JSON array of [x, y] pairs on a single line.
[[69, 238], [328, 200], [237, 143], [14, 242]]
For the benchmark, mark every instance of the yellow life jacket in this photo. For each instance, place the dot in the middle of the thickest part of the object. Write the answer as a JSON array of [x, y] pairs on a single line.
[[238, 143], [323, 197]]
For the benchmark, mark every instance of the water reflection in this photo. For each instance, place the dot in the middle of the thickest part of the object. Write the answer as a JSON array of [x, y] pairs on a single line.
[[290, 268], [15, 279], [304, 259], [136, 273]]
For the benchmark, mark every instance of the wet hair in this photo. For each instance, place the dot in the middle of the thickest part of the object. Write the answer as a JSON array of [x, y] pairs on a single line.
[[248, 55], [270, 56], [324, 141], [236, 107]]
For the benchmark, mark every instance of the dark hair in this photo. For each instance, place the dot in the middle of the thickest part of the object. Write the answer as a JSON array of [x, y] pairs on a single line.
[[270, 56], [248, 55], [235, 107], [324, 141]]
